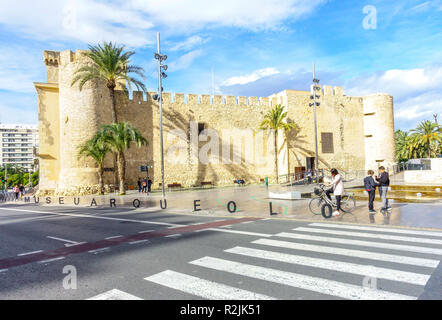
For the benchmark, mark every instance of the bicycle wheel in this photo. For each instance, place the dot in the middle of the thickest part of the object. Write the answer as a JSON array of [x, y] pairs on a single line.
[[326, 211], [315, 205], [348, 203]]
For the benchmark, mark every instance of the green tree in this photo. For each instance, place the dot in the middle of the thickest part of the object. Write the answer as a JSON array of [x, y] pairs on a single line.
[[118, 137], [275, 120], [97, 151], [35, 178], [427, 135], [111, 64]]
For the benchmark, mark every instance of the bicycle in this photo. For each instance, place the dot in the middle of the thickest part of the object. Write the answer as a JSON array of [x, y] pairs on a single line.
[[321, 204]]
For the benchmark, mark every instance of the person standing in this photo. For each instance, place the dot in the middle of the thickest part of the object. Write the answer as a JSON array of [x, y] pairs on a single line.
[[149, 185], [16, 191], [139, 185], [144, 186], [370, 186], [22, 190], [337, 187], [384, 183]]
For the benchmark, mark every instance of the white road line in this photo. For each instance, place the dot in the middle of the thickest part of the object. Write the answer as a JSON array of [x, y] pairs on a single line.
[[74, 244], [378, 245], [369, 235], [115, 294], [353, 268], [203, 288], [50, 260], [63, 240], [139, 241], [146, 231], [95, 217], [323, 286], [114, 237], [378, 229], [174, 235], [3, 270], [98, 250], [241, 232], [29, 253], [350, 253]]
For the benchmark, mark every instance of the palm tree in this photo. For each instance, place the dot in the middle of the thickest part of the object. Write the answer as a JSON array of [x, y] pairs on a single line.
[[427, 134], [402, 140], [118, 138], [112, 65], [275, 120], [96, 150]]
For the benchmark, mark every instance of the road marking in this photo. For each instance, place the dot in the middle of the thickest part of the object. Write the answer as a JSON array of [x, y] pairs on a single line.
[[174, 235], [241, 232], [139, 241], [96, 217], [323, 286], [369, 235], [353, 268], [74, 244], [96, 251], [203, 288], [3, 270], [115, 294], [378, 229], [63, 240], [377, 245], [146, 231], [28, 253], [351, 253], [50, 260], [114, 237]]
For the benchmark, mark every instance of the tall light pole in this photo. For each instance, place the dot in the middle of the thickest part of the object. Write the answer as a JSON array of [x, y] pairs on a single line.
[[160, 57], [315, 104]]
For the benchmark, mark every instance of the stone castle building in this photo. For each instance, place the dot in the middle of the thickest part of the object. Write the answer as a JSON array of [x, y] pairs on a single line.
[[354, 133]]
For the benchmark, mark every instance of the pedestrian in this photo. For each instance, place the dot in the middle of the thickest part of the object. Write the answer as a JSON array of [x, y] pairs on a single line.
[[309, 176], [337, 188], [149, 185], [144, 186], [16, 190], [384, 184], [139, 185], [22, 190], [370, 186]]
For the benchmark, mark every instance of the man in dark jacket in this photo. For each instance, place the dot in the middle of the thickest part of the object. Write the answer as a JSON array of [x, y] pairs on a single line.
[[384, 184], [370, 186]]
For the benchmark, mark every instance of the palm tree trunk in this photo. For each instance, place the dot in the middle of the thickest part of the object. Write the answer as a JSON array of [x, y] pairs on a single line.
[[100, 178], [121, 171], [114, 120], [276, 156]]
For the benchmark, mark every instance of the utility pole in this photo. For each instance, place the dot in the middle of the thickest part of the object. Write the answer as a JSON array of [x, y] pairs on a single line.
[[314, 96], [160, 57]]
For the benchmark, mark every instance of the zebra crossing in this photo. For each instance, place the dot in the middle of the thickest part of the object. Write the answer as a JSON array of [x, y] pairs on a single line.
[[332, 260]]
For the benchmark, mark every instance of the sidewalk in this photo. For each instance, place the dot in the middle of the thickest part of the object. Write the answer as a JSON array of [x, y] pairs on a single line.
[[252, 201]]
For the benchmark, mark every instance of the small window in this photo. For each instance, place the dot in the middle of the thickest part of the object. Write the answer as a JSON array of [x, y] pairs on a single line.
[[327, 142], [201, 127]]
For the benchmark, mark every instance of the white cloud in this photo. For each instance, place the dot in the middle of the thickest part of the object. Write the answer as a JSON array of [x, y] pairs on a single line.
[[132, 21], [189, 43], [252, 77], [185, 60]]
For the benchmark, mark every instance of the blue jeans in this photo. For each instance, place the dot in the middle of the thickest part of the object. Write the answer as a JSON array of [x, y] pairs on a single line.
[[383, 193]]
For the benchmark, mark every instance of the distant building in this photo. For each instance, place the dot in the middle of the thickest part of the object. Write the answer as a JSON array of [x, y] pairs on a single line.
[[17, 145]]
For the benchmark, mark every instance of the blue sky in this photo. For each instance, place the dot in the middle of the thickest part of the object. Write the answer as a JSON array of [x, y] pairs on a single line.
[[254, 47]]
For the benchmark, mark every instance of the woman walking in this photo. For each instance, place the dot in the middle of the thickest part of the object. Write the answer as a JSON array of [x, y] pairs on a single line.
[[337, 187], [16, 190]]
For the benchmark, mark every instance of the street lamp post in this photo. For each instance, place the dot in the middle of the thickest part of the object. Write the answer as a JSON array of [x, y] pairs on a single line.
[[160, 57], [315, 104]]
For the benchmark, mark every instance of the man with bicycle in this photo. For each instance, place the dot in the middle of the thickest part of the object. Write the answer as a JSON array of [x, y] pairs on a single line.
[[337, 188]]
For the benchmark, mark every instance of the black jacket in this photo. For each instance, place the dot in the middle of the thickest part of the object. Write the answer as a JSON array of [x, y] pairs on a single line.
[[369, 183], [384, 180]]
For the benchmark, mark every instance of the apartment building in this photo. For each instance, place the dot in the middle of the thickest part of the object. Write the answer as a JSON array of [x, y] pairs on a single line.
[[17, 145]]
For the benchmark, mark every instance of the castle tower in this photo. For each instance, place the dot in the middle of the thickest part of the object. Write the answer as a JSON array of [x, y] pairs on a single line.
[[81, 114], [379, 131]]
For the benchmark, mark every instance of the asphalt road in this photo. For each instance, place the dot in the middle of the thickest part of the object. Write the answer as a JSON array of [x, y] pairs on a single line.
[[119, 253]]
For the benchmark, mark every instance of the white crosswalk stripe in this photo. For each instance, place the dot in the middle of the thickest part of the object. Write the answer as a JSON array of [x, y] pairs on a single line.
[[350, 253], [115, 294], [363, 270], [203, 288], [323, 286], [373, 244], [378, 229], [369, 235]]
